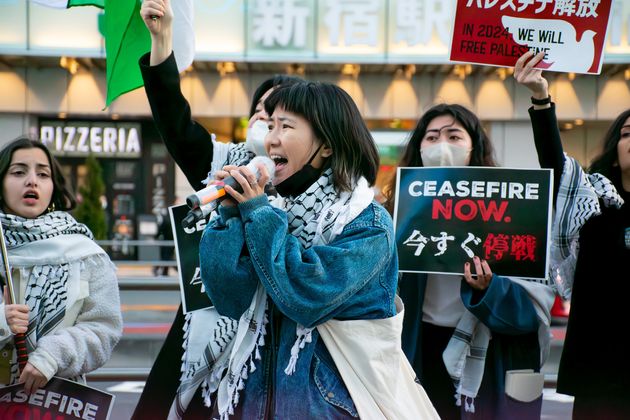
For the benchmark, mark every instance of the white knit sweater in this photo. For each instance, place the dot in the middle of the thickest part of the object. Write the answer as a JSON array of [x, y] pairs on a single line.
[[90, 330]]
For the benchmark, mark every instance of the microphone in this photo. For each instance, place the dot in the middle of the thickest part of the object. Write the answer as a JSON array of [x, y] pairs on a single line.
[[199, 213], [206, 200], [217, 191]]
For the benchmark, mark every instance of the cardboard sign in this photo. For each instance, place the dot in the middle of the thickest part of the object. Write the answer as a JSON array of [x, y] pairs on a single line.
[[498, 32], [59, 399], [194, 296], [445, 216]]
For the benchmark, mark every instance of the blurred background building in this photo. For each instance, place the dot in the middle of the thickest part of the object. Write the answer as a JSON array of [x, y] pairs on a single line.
[[391, 56]]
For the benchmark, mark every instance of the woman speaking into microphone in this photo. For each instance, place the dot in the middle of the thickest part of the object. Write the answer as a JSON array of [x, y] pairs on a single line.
[[290, 271]]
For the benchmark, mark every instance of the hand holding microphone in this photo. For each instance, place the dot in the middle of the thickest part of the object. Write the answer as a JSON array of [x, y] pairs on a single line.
[[241, 183]]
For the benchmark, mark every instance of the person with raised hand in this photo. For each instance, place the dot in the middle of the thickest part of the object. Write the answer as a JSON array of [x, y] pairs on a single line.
[[295, 269], [194, 149], [463, 333], [199, 157], [67, 302], [590, 250]]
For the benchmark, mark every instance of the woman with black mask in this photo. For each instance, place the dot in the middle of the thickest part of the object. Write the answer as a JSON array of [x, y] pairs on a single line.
[[198, 155]]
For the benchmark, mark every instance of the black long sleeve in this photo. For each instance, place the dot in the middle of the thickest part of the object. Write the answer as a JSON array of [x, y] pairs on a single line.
[[548, 142], [191, 147], [186, 140]]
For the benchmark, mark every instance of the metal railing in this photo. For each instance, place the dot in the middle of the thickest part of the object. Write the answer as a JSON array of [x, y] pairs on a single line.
[[157, 283], [118, 374], [123, 246], [127, 282]]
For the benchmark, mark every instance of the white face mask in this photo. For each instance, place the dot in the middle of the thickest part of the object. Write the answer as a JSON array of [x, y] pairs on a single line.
[[444, 154], [255, 137]]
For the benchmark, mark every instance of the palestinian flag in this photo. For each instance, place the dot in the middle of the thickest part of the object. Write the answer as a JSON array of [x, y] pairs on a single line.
[[127, 39]]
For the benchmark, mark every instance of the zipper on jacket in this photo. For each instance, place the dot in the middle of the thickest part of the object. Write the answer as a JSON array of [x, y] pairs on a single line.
[[274, 329]]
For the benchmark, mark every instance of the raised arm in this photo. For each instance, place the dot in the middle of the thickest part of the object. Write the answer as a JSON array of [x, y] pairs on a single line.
[[187, 141], [543, 117]]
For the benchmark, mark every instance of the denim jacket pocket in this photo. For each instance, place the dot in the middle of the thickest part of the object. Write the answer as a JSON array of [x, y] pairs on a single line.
[[332, 388]]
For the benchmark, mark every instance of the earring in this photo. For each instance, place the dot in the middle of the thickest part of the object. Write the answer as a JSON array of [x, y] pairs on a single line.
[[51, 207]]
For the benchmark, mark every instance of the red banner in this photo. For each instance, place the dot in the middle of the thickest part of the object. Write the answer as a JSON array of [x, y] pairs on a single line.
[[498, 32]]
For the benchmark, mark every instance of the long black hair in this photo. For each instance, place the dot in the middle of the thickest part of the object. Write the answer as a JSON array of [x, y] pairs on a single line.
[[271, 83], [62, 197], [607, 162], [482, 153]]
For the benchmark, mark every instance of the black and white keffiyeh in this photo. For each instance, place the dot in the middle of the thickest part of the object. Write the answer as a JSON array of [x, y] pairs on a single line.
[[46, 251], [222, 365], [578, 200], [465, 353], [223, 154]]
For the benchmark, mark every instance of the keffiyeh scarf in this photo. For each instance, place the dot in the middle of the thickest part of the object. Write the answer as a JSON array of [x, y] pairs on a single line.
[[465, 354], [222, 365], [48, 252], [578, 200]]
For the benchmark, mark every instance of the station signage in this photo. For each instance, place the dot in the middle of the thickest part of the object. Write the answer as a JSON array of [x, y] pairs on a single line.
[[82, 138]]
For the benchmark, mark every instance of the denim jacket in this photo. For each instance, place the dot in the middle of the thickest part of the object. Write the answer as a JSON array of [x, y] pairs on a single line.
[[352, 277]]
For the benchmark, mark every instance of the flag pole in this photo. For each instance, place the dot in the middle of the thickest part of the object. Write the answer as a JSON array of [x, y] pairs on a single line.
[[20, 338]]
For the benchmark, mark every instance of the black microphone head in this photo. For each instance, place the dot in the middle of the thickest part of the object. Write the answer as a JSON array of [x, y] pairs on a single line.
[[193, 201], [191, 218]]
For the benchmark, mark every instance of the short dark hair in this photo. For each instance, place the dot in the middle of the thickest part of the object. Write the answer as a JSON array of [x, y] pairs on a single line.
[[62, 197], [271, 83], [606, 163], [482, 153], [336, 121]]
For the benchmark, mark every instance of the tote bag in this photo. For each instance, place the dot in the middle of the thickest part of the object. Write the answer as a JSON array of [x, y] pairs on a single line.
[[374, 368]]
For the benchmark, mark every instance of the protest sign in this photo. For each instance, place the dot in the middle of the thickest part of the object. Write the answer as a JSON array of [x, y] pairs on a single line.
[[59, 399], [194, 296], [498, 32], [446, 215]]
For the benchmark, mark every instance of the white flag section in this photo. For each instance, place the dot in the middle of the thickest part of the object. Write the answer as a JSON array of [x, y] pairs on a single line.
[[183, 33], [57, 4]]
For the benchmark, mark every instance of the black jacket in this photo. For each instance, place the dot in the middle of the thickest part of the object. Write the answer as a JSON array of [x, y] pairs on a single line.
[[190, 146], [593, 363]]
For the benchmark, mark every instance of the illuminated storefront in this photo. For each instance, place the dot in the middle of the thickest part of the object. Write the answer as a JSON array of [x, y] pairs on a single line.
[[137, 169]]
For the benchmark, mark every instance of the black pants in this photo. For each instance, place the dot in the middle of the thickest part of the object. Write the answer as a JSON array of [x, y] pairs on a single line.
[[601, 407], [435, 378], [161, 385]]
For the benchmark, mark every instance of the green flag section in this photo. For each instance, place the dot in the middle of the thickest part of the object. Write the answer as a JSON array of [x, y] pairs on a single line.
[[97, 3], [64, 4], [126, 39]]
